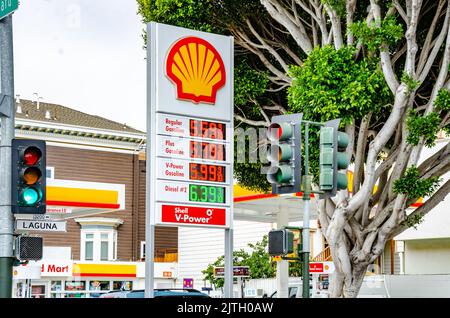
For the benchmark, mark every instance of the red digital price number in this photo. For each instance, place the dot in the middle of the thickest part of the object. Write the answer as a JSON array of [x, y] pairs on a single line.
[[207, 150], [207, 129], [203, 172]]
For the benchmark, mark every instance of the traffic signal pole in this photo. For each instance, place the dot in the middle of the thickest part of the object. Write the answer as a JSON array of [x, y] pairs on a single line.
[[6, 136], [307, 202]]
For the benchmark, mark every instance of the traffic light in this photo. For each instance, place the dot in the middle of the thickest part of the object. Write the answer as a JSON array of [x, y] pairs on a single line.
[[281, 242], [28, 195], [284, 153], [333, 158], [29, 248]]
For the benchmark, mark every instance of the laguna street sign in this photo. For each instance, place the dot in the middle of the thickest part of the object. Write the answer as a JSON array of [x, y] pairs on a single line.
[[7, 7], [41, 225]]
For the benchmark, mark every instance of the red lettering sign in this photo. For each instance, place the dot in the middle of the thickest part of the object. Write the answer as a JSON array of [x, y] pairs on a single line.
[[316, 267], [193, 215]]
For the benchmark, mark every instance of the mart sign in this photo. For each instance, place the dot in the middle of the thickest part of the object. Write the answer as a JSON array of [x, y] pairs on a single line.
[[321, 267]]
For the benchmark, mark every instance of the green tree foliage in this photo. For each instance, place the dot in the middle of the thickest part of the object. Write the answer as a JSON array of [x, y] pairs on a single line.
[[442, 101], [373, 37], [193, 14], [423, 126], [332, 84], [415, 187], [258, 261]]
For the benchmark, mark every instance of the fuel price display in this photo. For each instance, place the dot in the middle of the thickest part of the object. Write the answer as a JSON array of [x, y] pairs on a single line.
[[207, 129], [206, 172], [205, 193]]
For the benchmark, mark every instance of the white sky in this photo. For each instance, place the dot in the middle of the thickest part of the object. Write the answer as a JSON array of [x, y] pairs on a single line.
[[83, 54]]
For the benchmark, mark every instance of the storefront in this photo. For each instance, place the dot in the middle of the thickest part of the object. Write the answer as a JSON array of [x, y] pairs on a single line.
[[68, 279]]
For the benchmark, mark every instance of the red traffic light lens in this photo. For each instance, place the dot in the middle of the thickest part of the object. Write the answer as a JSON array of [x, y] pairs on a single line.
[[31, 156], [274, 132], [31, 175]]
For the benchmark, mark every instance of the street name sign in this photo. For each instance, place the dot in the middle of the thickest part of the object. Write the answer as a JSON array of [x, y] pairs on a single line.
[[190, 120], [7, 7], [41, 225]]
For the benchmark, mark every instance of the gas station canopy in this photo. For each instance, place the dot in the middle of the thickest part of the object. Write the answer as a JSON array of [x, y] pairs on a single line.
[[262, 207], [68, 199]]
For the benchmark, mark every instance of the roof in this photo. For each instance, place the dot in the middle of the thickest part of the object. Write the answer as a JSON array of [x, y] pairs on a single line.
[[68, 116]]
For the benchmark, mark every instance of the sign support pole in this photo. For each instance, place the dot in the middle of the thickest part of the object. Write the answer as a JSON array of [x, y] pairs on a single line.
[[228, 270], [6, 135]]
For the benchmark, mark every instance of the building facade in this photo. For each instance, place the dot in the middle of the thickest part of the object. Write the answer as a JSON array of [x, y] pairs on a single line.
[[103, 244]]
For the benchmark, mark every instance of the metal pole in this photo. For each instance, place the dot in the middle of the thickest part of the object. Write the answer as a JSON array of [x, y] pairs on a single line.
[[150, 166], [306, 200], [149, 261], [6, 135], [228, 266]]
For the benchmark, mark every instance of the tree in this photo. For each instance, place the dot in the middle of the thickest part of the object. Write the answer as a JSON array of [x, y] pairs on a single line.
[[258, 260], [381, 66]]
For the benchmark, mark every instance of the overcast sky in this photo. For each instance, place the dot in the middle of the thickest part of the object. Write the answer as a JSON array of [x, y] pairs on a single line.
[[84, 54]]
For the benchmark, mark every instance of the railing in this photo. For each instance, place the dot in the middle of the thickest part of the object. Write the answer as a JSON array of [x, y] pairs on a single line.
[[167, 255], [323, 256]]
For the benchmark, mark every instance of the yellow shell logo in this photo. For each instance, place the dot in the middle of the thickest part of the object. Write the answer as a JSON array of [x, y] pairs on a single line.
[[197, 70]]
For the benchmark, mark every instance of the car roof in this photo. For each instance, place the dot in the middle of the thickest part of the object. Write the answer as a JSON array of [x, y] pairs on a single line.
[[168, 292]]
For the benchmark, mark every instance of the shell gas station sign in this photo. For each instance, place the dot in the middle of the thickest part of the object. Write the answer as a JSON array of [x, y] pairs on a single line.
[[190, 120]]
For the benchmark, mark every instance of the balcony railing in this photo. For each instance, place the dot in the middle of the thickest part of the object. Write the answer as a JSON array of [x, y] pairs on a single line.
[[165, 255]]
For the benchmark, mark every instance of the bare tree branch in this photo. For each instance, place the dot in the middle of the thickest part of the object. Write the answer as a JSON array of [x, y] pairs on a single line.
[[298, 32], [251, 122]]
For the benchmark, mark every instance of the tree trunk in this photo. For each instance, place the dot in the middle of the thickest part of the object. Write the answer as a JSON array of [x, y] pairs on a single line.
[[352, 290], [340, 289]]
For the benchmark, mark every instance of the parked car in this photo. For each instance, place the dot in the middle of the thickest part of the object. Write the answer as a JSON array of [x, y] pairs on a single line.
[[295, 290], [158, 293], [115, 294]]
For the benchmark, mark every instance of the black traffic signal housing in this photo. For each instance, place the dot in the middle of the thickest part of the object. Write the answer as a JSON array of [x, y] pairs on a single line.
[[28, 187], [29, 248], [284, 153], [333, 158], [281, 242]]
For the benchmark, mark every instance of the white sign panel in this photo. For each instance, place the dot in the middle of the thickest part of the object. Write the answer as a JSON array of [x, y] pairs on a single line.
[[41, 225], [185, 58], [56, 268], [183, 148], [190, 120], [27, 271], [179, 126], [193, 193], [321, 267]]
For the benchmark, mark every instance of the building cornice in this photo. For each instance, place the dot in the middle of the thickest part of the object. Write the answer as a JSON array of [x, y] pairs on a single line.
[[63, 129]]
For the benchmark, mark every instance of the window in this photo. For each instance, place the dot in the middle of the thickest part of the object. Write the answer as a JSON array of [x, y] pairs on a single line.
[[142, 249], [104, 244], [98, 238], [75, 285], [38, 291], [89, 247], [50, 171], [99, 245], [122, 285]]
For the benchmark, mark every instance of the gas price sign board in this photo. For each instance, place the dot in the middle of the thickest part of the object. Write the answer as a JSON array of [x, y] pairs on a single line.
[[190, 120]]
